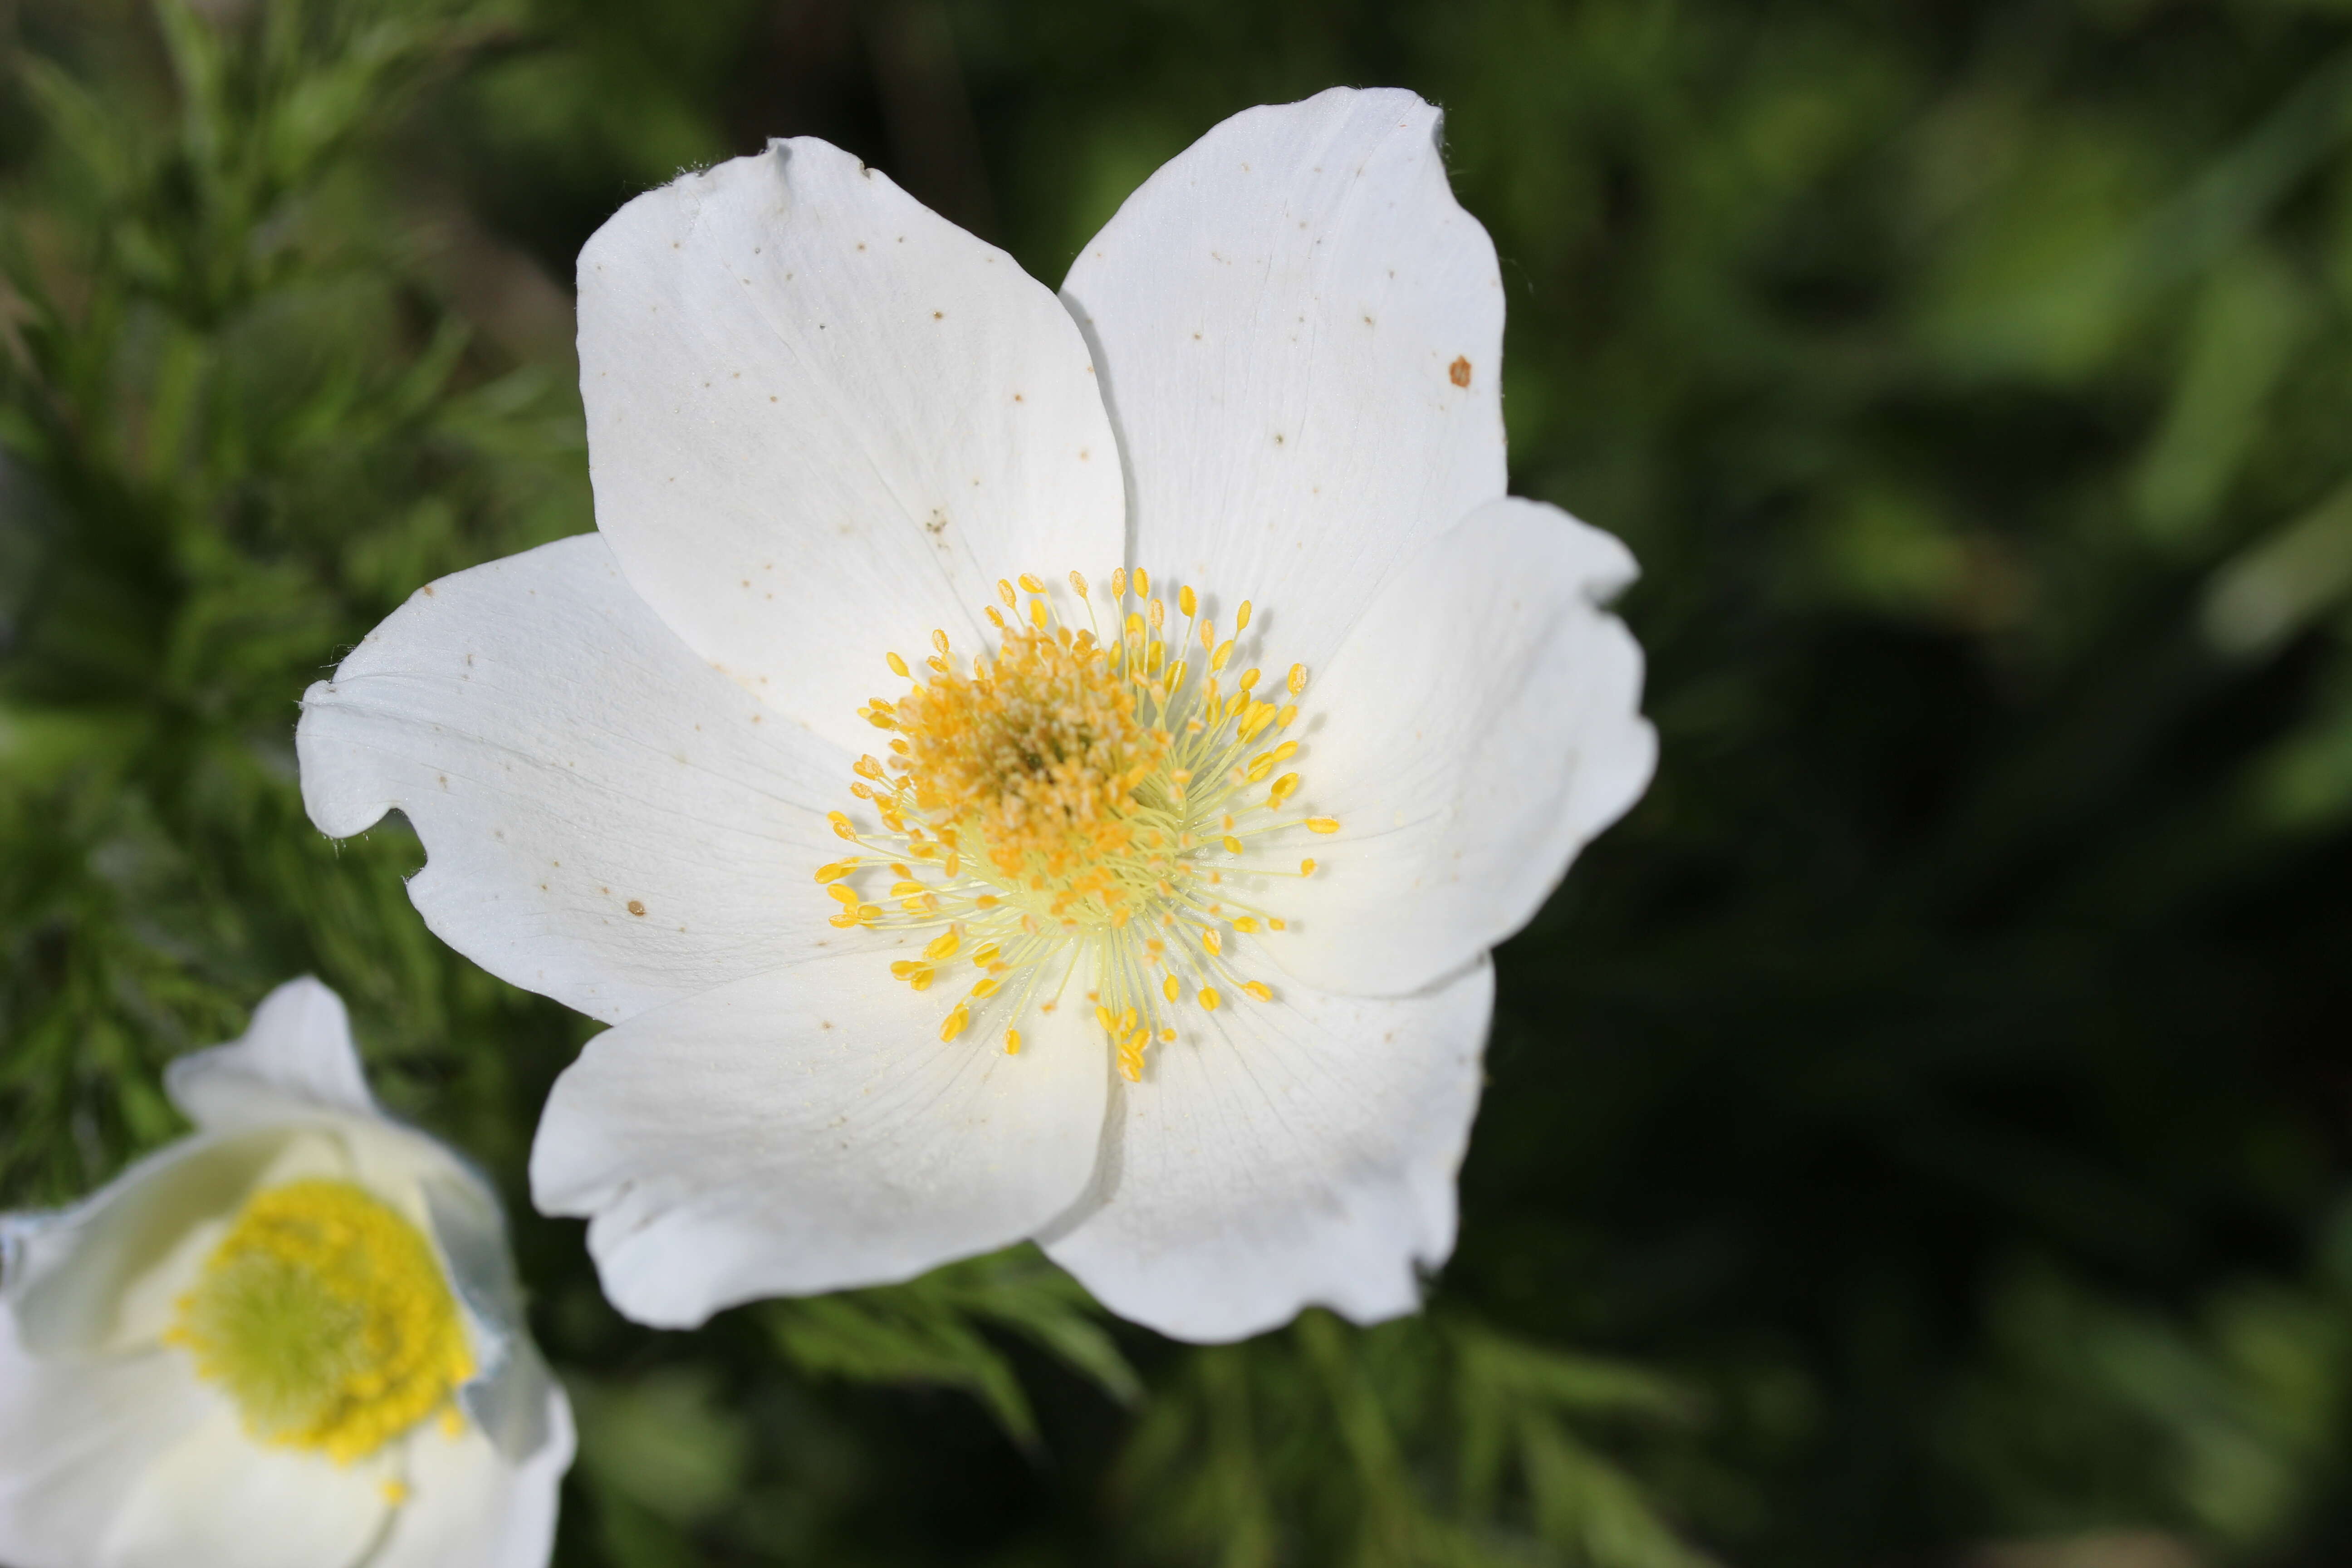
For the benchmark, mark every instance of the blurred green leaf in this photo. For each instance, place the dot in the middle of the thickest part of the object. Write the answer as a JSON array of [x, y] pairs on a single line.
[[931, 1330]]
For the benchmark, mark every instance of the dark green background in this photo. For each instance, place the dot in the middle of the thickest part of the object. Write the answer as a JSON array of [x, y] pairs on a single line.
[[1917, 1135]]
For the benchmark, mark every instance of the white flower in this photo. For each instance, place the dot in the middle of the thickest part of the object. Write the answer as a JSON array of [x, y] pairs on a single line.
[[291, 1339], [1145, 944]]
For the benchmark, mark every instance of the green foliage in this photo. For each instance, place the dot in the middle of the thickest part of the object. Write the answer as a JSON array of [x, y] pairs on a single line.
[[1940, 1074], [931, 1330], [1426, 1442]]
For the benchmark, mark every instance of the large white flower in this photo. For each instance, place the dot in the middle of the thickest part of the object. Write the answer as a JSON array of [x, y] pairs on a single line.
[[1224, 712], [292, 1339]]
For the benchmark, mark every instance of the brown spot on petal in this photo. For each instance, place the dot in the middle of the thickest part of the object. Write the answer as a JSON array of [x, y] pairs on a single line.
[[635, 908], [1458, 373]]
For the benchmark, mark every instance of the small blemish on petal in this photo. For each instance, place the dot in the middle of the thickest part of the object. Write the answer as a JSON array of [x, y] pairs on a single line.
[[1458, 373]]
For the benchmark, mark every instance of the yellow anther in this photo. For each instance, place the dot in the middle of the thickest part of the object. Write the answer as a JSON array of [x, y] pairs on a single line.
[[324, 1316], [897, 666], [1306, 868], [1296, 680], [1274, 922], [1322, 825], [1067, 795]]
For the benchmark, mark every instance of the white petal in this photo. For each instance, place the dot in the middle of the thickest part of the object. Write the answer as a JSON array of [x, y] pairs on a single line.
[[808, 1130], [103, 1275], [76, 1432], [822, 421], [294, 1059], [1480, 727], [216, 1498], [507, 1399], [1280, 316], [469, 1507], [608, 820], [1287, 1154]]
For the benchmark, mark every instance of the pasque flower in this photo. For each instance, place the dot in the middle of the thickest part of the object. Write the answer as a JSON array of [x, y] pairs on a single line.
[[1018, 767], [291, 1339]]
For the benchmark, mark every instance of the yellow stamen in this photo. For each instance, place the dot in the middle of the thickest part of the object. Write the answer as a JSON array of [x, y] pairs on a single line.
[[324, 1315], [1071, 801]]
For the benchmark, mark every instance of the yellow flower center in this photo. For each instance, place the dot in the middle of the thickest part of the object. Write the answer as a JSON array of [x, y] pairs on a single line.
[[1077, 802], [325, 1315]]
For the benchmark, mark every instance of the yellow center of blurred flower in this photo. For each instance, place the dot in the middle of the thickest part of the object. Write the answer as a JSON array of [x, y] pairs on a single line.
[[325, 1315], [1078, 807]]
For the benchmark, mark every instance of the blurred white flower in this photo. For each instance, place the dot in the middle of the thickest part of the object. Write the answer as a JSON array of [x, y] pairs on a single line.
[[291, 1339], [1142, 943]]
